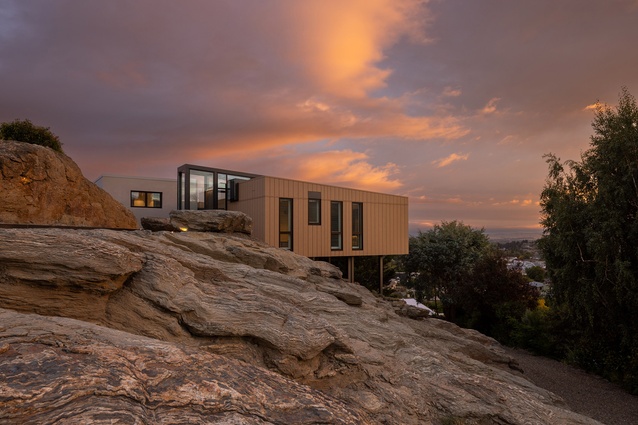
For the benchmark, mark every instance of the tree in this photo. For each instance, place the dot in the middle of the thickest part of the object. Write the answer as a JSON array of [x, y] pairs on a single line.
[[536, 273], [590, 243], [441, 258], [494, 298], [26, 131], [458, 265]]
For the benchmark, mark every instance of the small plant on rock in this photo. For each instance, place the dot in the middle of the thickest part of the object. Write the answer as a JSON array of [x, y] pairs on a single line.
[[26, 131]]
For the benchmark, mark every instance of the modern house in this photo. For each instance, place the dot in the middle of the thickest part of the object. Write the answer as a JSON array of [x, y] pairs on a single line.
[[323, 222]]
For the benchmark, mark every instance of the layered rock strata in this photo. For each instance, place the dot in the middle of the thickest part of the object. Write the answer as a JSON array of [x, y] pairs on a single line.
[[223, 329]]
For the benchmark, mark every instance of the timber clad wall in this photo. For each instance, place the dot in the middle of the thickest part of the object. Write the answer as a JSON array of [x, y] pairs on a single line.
[[385, 217]]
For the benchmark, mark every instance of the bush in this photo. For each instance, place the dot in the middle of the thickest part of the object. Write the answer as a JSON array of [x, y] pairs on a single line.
[[26, 131]]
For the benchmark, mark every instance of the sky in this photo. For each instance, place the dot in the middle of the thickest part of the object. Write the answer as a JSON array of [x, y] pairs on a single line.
[[452, 103]]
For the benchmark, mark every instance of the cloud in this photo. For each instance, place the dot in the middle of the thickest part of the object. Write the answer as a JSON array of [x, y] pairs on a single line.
[[340, 44], [444, 162], [490, 107], [344, 168], [451, 92]]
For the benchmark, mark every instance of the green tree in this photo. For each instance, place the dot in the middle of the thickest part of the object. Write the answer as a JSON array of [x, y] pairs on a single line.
[[590, 243], [536, 273], [494, 298], [458, 265], [441, 258], [26, 131]]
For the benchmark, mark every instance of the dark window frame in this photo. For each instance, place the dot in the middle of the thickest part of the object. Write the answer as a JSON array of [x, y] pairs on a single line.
[[333, 231], [290, 224], [147, 199], [314, 204], [357, 233]]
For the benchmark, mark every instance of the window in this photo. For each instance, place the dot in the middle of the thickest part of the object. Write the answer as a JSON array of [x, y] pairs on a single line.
[[336, 225], [142, 199], [202, 186], [285, 223], [314, 207], [357, 225]]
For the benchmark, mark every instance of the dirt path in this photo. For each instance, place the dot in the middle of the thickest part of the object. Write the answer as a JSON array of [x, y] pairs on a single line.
[[584, 393]]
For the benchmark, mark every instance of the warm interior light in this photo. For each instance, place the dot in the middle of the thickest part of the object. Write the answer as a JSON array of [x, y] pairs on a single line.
[[138, 203]]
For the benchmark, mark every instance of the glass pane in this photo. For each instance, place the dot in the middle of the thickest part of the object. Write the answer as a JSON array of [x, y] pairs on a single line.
[[314, 211], [137, 199], [356, 242], [335, 216], [336, 223], [221, 181], [182, 187], [221, 201], [154, 200], [201, 190], [284, 240], [335, 241], [356, 218], [284, 215]]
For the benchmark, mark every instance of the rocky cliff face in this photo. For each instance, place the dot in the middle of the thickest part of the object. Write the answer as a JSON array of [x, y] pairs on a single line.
[[44, 187], [163, 327]]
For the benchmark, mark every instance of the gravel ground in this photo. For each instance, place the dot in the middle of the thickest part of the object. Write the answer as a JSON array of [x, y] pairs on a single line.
[[584, 393]]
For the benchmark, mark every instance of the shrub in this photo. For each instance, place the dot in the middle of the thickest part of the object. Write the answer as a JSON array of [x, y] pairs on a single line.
[[26, 131]]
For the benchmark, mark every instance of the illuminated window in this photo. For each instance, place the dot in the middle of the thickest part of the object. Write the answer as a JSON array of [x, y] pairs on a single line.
[[285, 223], [314, 207], [142, 199], [336, 225], [357, 225]]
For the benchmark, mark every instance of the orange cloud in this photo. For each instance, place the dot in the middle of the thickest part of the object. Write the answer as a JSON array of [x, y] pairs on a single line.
[[517, 202], [347, 168], [450, 92], [341, 43], [444, 162], [490, 107]]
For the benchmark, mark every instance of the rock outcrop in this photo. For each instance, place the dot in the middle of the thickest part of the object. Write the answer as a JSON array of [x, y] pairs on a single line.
[[43, 187], [58, 370], [211, 221], [219, 328]]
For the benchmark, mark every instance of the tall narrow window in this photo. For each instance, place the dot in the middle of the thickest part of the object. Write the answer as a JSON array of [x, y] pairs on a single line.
[[314, 207], [336, 225], [357, 225], [285, 223]]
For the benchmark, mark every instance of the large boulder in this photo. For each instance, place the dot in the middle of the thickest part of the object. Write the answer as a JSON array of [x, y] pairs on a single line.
[[40, 186], [211, 221]]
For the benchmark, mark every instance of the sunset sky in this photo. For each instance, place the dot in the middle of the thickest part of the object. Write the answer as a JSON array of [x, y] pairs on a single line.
[[449, 102]]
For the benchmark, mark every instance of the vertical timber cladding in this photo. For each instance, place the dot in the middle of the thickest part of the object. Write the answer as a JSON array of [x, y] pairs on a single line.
[[252, 196], [385, 217]]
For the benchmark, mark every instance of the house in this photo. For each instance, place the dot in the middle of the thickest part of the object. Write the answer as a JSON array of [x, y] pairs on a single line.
[[319, 221], [323, 222]]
